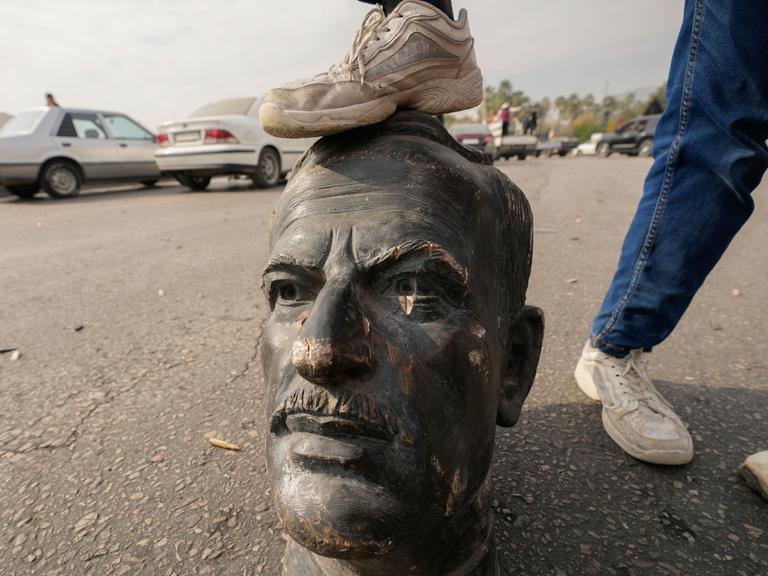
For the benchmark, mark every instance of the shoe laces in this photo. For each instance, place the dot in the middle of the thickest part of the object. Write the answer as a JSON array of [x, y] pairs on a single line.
[[637, 386], [374, 23]]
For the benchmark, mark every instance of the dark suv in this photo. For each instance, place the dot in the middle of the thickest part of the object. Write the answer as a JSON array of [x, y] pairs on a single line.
[[634, 138]]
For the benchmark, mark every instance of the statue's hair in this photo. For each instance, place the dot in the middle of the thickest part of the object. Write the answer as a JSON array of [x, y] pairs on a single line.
[[515, 237]]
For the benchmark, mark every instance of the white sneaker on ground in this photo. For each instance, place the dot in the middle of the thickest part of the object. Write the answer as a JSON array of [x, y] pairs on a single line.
[[414, 58], [635, 415]]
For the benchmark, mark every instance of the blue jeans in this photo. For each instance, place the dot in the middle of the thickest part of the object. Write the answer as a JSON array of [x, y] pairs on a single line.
[[710, 154]]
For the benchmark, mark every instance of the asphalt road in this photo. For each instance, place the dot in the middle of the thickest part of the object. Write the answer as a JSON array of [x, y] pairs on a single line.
[[137, 315]]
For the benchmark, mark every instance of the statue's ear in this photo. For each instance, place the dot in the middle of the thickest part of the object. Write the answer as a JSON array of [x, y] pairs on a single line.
[[526, 332]]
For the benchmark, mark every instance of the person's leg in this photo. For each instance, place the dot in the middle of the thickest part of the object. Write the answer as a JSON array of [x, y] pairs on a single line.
[[710, 154], [710, 150], [389, 5]]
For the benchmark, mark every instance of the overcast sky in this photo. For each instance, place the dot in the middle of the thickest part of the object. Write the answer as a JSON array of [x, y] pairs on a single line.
[[161, 59]]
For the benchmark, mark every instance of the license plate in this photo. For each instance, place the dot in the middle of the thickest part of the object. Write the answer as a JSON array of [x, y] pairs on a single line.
[[471, 142], [187, 136]]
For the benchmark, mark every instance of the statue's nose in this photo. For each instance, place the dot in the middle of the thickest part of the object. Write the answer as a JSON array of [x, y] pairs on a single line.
[[332, 345]]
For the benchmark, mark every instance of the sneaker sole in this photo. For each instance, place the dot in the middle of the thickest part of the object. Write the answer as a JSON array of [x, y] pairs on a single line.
[[663, 457], [437, 96]]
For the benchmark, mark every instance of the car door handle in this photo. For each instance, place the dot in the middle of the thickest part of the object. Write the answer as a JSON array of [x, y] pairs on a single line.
[[66, 144], [123, 145]]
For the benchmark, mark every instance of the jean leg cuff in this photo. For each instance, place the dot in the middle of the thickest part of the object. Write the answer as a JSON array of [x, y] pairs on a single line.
[[607, 348]]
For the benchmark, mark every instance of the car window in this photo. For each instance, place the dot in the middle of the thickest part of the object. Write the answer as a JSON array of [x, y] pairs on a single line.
[[86, 126], [254, 109], [24, 123], [123, 128], [234, 106], [640, 126]]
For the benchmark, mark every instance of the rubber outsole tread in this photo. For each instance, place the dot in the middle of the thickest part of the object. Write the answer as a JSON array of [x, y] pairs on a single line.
[[438, 96]]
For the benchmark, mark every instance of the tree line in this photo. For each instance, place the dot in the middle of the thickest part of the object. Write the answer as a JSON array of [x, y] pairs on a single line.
[[578, 116]]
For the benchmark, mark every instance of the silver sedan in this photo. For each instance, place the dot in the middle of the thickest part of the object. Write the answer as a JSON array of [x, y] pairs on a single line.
[[226, 137], [60, 149]]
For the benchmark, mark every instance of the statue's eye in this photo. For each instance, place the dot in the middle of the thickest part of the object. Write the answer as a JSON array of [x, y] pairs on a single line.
[[290, 293], [406, 286], [415, 286], [287, 292]]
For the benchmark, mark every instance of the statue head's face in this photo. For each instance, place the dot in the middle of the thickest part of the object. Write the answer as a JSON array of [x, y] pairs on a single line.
[[392, 348]]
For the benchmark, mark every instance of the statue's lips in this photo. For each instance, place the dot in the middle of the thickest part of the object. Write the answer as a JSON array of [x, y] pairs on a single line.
[[336, 427], [312, 447], [330, 438]]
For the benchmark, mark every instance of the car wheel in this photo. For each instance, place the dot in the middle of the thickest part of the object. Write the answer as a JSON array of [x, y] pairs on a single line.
[[61, 179], [604, 150], [521, 156], [24, 190], [196, 183], [268, 170], [149, 183], [646, 148]]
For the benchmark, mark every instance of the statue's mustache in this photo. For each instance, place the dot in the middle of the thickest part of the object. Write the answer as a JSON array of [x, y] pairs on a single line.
[[357, 407]]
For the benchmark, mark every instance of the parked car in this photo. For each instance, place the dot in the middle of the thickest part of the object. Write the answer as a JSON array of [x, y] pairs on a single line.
[[556, 147], [589, 148], [519, 146], [226, 138], [475, 136], [60, 149], [517, 142], [634, 138]]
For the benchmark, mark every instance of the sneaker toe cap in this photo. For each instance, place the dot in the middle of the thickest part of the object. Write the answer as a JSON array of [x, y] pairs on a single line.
[[655, 439], [319, 95]]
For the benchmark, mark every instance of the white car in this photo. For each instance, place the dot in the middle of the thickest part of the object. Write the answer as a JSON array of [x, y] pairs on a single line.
[[589, 148], [225, 138], [60, 149]]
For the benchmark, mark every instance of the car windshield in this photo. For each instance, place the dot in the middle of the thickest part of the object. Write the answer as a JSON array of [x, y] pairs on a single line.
[[461, 129], [235, 106], [24, 123]]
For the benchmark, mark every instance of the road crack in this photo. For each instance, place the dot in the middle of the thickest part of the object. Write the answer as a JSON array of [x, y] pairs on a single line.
[[74, 434], [251, 360]]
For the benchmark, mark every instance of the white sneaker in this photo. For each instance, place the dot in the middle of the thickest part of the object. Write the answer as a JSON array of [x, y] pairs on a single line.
[[415, 58], [635, 415]]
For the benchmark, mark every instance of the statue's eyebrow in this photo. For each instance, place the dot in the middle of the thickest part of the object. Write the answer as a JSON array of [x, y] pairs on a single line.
[[283, 263], [435, 252]]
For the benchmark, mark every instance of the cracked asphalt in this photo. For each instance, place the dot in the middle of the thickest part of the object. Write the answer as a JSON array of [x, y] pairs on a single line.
[[137, 315]]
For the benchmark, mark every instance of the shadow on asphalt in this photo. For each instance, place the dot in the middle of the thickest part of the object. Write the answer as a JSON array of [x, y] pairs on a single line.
[[568, 501]]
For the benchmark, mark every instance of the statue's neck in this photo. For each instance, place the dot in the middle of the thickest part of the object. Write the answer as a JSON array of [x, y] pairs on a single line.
[[474, 556]]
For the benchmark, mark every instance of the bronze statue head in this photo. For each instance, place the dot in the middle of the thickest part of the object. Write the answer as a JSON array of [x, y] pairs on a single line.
[[398, 338]]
